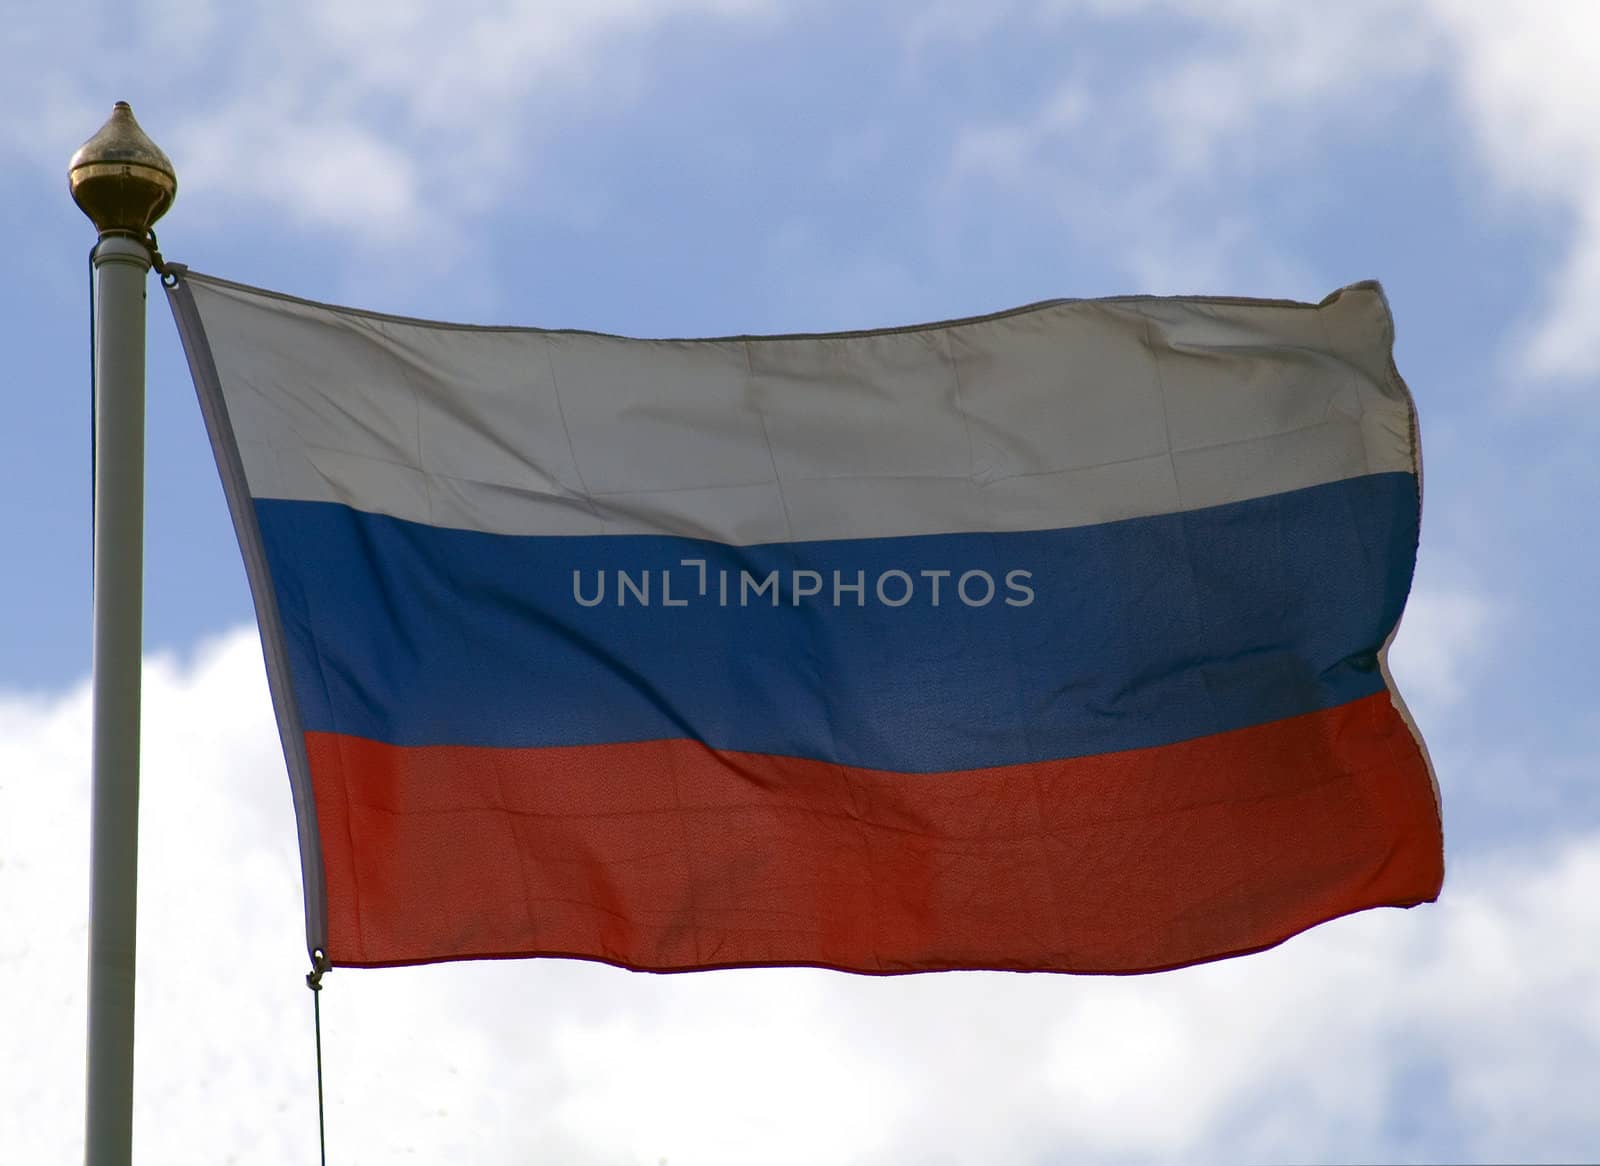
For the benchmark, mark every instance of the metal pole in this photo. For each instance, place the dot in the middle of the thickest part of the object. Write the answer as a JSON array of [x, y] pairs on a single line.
[[120, 266], [123, 183]]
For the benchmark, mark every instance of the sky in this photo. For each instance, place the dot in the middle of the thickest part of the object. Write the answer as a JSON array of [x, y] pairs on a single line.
[[709, 167]]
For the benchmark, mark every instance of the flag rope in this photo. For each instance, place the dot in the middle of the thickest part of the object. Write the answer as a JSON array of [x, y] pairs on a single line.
[[319, 965]]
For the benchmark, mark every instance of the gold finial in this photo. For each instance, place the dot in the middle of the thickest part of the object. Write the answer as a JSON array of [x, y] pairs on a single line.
[[120, 178]]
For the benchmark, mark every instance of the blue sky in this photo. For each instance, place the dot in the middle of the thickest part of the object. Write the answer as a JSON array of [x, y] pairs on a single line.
[[682, 167]]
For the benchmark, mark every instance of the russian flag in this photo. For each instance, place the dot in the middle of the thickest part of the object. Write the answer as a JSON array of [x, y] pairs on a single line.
[[1047, 640]]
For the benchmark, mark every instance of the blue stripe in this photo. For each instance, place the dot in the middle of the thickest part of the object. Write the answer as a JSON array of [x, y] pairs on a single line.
[[1141, 633]]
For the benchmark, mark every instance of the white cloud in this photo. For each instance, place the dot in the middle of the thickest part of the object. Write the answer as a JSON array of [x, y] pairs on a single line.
[[1152, 160], [1294, 66], [1256, 86], [325, 173], [377, 118], [935, 23], [1448, 625], [1312, 1051], [1531, 94]]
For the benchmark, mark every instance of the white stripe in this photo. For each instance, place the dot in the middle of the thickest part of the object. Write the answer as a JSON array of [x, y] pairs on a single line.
[[1062, 415]]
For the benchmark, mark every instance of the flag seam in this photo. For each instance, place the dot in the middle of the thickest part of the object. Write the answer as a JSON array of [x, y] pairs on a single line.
[[746, 337]]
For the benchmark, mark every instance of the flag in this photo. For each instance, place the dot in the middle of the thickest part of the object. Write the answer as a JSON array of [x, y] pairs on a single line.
[[1046, 640]]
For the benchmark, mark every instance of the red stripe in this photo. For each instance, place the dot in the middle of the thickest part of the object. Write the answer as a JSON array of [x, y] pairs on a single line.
[[669, 856]]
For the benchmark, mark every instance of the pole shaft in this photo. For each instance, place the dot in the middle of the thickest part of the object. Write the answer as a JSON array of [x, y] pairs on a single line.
[[121, 264]]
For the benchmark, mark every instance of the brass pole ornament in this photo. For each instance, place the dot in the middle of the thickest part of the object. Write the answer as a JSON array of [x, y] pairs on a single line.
[[120, 178]]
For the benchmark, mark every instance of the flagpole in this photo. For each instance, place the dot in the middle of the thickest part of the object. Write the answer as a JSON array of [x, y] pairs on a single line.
[[123, 183]]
